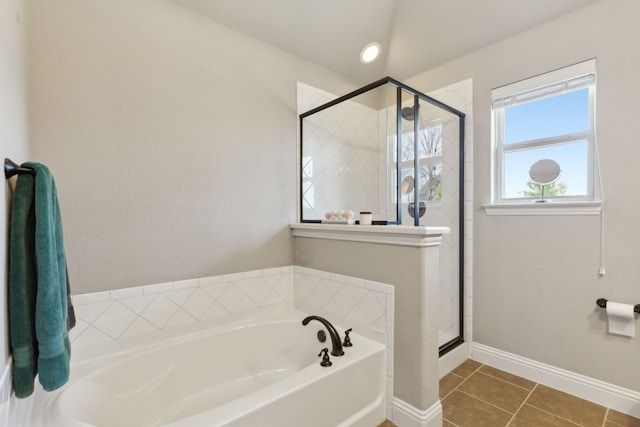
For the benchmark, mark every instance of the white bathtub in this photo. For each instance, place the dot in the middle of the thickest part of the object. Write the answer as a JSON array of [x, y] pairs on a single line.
[[261, 370]]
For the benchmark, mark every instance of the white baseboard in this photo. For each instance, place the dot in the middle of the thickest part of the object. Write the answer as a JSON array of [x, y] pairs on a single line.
[[605, 394], [405, 415], [453, 359]]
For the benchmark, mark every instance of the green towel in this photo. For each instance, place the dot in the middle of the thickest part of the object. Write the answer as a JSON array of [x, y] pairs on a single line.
[[38, 307]]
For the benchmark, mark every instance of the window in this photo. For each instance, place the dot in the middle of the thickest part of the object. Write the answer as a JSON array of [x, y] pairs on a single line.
[[550, 116], [429, 164]]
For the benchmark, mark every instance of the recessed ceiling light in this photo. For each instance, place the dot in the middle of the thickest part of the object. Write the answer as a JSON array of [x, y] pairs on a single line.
[[370, 52]]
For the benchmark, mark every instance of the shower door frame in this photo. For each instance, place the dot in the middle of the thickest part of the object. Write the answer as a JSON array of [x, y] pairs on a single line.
[[417, 96]]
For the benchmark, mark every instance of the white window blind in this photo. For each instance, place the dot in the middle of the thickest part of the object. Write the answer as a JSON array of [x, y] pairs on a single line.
[[553, 83]]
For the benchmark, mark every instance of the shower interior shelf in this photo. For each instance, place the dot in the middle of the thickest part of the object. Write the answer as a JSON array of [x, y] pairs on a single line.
[[421, 236]]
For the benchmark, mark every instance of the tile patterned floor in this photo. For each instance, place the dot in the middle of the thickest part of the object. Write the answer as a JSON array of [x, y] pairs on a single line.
[[475, 395]]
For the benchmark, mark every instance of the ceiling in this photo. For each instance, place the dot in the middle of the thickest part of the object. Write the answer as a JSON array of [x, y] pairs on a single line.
[[415, 35]]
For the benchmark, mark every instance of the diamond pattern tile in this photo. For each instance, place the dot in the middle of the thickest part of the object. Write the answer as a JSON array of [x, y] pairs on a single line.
[[160, 311], [356, 315], [259, 292], [320, 295], [358, 292], [345, 301], [245, 285], [354, 299], [124, 313], [231, 297], [90, 312], [115, 320], [246, 303], [371, 309], [272, 298], [138, 304], [198, 304], [180, 296], [216, 310], [92, 336], [214, 291], [137, 327], [282, 285], [81, 325], [180, 318]]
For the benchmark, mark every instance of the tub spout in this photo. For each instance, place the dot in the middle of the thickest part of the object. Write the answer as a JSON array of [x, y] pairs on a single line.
[[336, 342]]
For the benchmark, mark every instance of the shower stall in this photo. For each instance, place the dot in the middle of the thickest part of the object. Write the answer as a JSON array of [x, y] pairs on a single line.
[[398, 154]]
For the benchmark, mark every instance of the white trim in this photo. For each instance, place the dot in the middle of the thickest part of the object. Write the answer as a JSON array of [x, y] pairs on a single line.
[[385, 234], [453, 359], [600, 392], [406, 415], [546, 85], [546, 79], [547, 208], [5, 395], [5, 382]]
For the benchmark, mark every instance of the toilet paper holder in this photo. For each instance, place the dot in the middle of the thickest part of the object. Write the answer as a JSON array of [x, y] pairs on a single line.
[[602, 302]]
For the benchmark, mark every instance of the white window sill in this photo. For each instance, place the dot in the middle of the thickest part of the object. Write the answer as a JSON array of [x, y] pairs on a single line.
[[548, 208]]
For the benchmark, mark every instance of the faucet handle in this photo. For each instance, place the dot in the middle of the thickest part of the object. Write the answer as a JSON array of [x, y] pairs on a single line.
[[347, 340], [325, 358]]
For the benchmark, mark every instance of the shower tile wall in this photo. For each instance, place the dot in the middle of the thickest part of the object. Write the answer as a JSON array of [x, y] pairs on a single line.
[[460, 97], [445, 211], [340, 158]]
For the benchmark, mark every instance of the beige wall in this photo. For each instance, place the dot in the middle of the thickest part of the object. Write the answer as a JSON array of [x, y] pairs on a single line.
[[172, 140], [535, 278], [13, 121]]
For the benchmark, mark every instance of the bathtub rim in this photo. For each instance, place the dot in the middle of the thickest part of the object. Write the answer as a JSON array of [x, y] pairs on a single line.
[[100, 356]]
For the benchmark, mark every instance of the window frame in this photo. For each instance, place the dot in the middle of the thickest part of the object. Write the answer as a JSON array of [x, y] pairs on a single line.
[[565, 80]]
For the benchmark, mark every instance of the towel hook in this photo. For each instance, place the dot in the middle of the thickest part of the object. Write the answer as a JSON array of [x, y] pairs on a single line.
[[11, 168]]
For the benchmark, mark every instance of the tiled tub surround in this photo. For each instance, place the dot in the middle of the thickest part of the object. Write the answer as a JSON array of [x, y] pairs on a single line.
[[350, 301], [113, 315]]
